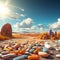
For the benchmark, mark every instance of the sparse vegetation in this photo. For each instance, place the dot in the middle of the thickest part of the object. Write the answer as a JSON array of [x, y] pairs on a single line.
[[41, 36], [4, 37]]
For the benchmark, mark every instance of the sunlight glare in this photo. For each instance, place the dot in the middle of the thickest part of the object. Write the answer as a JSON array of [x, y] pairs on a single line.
[[4, 11]]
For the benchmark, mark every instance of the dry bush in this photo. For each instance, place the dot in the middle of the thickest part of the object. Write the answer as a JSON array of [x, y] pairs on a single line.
[[4, 37]]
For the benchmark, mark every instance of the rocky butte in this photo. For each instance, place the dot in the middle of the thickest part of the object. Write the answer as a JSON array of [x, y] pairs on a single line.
[[6, 30]]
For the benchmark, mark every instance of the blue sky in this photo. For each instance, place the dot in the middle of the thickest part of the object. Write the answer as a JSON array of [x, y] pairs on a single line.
[[42, 15]]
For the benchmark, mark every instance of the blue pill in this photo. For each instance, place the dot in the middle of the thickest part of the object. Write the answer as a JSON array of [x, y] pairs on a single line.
[[58, 41], [31, 50], [30, 47], [45, 49], [21, 57]]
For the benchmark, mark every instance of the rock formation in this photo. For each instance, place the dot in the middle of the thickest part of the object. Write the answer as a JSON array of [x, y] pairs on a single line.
[[6, 30]]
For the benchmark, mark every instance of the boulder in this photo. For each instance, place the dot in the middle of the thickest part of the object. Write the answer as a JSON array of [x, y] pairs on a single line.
[[6, 30]]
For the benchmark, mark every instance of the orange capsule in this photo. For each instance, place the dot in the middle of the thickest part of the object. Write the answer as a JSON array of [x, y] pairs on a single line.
[[17, 52], [33, 57], [22, 51], [10, 48], [36, 51], [43, 54]]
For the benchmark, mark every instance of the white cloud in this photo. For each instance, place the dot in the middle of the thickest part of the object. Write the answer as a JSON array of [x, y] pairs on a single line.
[[33, 28], [41, 29], [15, 7], [40, 25], [58, 19], [27, 23], [37, 27], [22, 15], [16, 25], [27, 26], [15, 15], [55, 25], [22, 9], [24, 25]]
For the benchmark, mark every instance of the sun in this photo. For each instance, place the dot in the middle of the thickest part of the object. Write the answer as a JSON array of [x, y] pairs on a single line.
[[8, 11], [4, 11]]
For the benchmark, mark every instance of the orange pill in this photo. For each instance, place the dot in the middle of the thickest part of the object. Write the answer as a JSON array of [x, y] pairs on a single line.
[[33, 57]]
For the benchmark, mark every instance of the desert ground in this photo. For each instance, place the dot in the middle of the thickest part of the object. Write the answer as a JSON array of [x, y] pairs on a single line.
[[24, 42]]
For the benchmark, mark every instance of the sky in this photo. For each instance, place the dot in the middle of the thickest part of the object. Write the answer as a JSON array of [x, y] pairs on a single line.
[[32, 15]]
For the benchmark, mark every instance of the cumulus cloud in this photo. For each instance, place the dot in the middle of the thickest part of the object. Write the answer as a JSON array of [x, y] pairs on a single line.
[[40, 25], [55, 25], [27, 25], [33, 28], [16, 25], [36, 29]]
